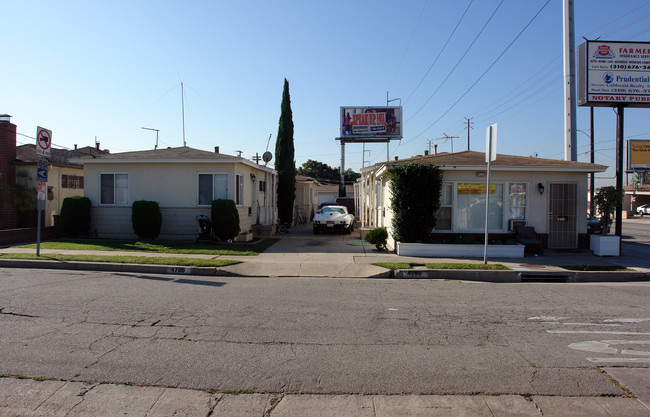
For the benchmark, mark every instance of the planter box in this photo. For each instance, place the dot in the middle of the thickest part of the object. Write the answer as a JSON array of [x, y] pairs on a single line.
[[260, 230], [606, 245], [437, 250], [245, 237]]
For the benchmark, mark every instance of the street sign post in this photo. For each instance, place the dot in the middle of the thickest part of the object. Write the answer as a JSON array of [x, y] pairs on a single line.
[[43, 150]]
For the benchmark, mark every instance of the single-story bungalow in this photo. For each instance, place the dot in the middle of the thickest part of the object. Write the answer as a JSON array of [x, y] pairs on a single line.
[[547, 194], [183, 181]]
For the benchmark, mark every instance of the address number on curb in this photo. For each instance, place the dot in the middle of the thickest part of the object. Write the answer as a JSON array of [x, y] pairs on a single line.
[[415, 274], [181, 270]]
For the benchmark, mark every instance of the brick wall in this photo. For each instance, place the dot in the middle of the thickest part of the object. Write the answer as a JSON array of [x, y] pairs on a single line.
[[8, 213]]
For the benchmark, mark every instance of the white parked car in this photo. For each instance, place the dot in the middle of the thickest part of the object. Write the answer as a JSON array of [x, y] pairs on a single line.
[[333, 218], [644, 209]]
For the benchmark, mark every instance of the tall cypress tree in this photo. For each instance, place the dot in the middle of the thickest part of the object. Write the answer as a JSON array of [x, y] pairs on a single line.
[[285, 163]]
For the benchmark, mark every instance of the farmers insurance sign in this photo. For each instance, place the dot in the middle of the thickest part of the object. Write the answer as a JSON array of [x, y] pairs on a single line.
[[368, 122], [638, 155], [612, 73]]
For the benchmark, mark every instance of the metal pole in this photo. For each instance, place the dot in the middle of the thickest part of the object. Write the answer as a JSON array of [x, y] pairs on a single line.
[[183, 107], [38, 229], [487, 197], [619, 166], [570, 139], [592, 191], [342, 185]]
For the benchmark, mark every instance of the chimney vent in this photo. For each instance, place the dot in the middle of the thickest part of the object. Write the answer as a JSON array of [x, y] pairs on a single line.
[[216, 149], [426, 152], [5, 118], [97, 145], [75, 146], [435, 149], [396, 157]]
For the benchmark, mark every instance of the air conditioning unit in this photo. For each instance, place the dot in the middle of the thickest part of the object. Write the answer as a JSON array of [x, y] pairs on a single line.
[[513, 224]]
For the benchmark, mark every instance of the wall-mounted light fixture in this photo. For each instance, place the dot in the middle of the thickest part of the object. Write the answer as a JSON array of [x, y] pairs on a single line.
[[252, 177], [540, 188]]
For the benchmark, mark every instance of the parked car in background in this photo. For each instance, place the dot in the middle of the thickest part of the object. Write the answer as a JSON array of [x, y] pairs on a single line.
[[594, 226], [644, 209], [333, 218]]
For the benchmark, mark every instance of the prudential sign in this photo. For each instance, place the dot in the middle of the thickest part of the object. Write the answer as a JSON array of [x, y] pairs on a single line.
[[613, 73]]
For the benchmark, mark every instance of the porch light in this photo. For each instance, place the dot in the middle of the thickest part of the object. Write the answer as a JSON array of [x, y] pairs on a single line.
[[540, 188], [252, 177]]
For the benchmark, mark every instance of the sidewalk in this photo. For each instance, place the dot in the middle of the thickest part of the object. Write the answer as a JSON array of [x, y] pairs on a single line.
[[301, 254], [26, 397]]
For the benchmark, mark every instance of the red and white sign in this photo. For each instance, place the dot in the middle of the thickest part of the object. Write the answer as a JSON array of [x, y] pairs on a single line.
[[41, 191], [43, 141]]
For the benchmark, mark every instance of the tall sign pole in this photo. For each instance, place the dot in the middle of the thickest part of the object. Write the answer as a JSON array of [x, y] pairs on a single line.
[[619, 168], [490, 155], [570, 137], [43, 150]]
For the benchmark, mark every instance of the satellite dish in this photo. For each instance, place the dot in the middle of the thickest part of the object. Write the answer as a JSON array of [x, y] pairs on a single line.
[[267, 156]]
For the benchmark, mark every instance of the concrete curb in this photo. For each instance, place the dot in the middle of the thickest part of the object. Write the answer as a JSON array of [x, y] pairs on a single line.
[[498, 276], [114, 267], [514, 276]]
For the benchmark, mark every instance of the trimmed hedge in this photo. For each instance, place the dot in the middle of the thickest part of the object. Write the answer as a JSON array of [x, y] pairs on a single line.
[[75, 215], [146, 219], [225, 219]]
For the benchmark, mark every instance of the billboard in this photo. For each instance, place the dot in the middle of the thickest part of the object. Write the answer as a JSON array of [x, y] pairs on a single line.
[[638, 155], [371, 122], [612, 73]]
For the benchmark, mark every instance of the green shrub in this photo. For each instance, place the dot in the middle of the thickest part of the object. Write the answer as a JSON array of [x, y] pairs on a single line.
[[146, 219], [75, 215], [415, 200], [225, 219], [377, 237]]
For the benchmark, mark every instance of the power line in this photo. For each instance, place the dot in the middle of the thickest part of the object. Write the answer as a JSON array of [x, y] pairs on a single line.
[[408, 46], [458, 62], [441, 51], [486, 71]]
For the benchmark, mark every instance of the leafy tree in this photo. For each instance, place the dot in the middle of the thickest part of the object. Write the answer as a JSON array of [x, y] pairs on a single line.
[[225, 219], [325, 173], [146, 219], [285, 163], [415, 200], [607, 199], [75, 215]]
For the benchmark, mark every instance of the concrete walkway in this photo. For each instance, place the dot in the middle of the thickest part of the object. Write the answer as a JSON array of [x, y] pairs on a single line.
[[26, 397]]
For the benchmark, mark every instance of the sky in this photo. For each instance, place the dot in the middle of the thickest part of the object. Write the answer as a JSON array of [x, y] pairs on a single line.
[[100, 71]]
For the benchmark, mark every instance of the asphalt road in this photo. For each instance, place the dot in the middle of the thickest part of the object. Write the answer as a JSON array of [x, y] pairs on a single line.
[[322, 335], [637, 230]]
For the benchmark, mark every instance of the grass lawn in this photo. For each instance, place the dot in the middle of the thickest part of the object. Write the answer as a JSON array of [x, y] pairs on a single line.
[[241, 249], [605, 268], [407, 265], [147, 260]]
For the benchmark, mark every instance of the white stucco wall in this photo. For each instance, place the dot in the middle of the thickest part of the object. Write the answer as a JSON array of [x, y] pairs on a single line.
[[175, 187], [537, 206]]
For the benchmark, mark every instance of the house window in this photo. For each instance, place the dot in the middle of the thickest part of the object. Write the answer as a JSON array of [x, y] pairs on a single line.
[[262, 186], [114, 189], [239, 190], [517, 201], [470, 207], [443, 219], [72, 181], [212, 187]]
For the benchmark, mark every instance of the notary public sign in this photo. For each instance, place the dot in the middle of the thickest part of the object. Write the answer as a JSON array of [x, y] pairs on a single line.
[[612, 73], [369, 122]]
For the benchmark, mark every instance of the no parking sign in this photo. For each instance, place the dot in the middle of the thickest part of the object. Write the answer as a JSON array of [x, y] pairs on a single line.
[[43, 141]]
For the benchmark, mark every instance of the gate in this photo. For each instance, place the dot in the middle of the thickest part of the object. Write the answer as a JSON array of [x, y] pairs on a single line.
[[562, 219]]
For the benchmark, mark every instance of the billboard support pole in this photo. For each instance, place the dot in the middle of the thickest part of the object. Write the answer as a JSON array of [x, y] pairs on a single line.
[[619, 167], [342, 185], [592, 203], [570, 137]]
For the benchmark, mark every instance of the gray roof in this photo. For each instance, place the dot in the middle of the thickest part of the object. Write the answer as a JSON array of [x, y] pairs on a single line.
[[183, 152], [477, 159]]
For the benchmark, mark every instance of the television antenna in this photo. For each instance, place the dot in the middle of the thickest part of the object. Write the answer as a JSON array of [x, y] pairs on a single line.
[[150, 128]]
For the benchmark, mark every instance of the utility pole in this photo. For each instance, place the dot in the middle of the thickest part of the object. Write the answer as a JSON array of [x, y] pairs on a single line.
[[447, 137], [469, 126], [429, 141]]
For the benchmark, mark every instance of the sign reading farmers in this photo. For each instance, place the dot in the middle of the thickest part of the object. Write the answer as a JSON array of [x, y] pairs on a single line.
[[638, 155], [369, 122], [612, 73]]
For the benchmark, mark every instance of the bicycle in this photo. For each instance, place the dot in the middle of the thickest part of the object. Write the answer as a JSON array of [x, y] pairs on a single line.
[[300, 219]]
